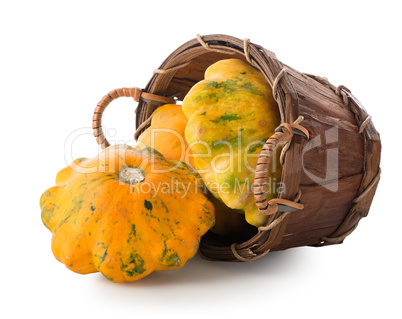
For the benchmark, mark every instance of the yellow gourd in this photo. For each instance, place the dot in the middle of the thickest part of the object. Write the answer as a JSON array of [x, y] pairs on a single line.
[[126, 213], [231, 114]]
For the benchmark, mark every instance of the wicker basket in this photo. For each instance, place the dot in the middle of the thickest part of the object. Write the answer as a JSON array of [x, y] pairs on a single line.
[[330, 178]]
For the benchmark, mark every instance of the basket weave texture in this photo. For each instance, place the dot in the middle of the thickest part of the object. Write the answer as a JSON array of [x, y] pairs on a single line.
[[332, 199]]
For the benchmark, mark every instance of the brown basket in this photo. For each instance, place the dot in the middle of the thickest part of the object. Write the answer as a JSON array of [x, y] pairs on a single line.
[[321, 203]]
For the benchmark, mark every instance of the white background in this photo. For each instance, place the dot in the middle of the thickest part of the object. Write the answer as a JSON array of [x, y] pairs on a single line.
[[59, 58]]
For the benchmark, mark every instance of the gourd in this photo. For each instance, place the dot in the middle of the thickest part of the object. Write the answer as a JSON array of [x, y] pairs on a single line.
[[166, 134], [126, 213], [231, 114]]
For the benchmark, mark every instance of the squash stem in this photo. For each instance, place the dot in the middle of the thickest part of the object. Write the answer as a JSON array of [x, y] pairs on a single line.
[[132, 175]]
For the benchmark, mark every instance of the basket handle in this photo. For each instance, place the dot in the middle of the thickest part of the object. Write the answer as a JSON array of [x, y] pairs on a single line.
[[136, 93], [283, 135]]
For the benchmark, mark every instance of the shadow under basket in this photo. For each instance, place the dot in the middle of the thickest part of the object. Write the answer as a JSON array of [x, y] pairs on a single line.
[[332, 175]]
